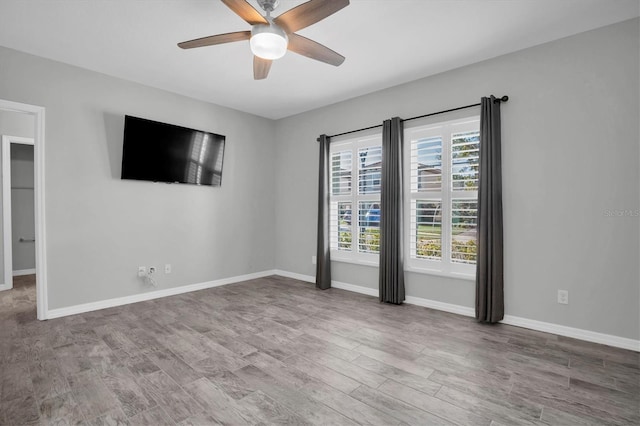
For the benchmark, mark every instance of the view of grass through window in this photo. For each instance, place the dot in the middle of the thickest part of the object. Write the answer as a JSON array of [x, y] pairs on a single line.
[[429, 229], [369, 227], [463, 231], [344, 226]]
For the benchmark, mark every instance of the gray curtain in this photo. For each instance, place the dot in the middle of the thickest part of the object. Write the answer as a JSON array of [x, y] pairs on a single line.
[[323, 253], [391, 269], [489, 275]]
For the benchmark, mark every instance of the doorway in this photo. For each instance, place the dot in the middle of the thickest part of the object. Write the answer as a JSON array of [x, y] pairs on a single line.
[[18, 211], [38, 239]]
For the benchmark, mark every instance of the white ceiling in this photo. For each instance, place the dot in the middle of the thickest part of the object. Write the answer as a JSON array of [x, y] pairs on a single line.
[[386, 42]]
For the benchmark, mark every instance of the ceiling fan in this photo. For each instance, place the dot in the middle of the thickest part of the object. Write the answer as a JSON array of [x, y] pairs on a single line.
[[270, 38]]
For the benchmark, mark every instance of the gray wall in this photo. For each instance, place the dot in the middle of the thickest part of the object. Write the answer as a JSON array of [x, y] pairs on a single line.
[[22, 207], [571, 150], [100, 228], [12, 124]]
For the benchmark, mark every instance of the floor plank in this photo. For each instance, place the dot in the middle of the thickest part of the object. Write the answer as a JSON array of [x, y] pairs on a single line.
[[325, 374], [433, 405], [396, 408], [299, 402]]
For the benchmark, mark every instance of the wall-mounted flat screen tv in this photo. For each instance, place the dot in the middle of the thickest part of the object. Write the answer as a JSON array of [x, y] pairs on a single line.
[[161, 152]]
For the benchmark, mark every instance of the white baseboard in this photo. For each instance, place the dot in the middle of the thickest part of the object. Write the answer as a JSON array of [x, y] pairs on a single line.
[[119, 301], [576, 333], [334, 284], [547, 327], [295, 276], [355, 288], [21, 272], [441, 306]]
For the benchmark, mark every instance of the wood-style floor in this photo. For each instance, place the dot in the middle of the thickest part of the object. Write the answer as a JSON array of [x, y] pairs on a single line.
[[277, 351]]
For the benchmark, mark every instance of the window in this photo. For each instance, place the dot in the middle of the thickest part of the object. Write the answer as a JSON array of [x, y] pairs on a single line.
[[442, 190], [355, 199]]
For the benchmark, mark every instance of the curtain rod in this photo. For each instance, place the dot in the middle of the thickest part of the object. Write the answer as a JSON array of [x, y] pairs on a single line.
[[501, 99]]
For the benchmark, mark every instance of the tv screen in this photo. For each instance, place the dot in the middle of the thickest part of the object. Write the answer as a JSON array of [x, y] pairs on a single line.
[[161, 152]]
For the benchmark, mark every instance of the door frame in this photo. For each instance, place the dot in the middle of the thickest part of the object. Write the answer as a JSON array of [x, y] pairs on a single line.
[[7, 213], [38, 112]]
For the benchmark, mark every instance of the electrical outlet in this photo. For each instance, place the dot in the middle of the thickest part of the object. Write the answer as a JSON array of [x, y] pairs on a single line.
[[313, 260], [142, 271], [152, 270], [563, 297], [167, 268]]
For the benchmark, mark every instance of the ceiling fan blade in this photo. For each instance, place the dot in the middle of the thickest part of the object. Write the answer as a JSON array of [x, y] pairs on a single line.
[[245, 11], [314, 50], [216, 39], [261, 68], [308, 14]]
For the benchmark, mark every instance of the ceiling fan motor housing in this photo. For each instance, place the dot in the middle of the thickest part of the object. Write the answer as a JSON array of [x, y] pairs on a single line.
[[268, 5]]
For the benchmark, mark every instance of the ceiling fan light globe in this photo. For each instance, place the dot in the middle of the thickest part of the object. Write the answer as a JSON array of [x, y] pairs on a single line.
[[268, 42]]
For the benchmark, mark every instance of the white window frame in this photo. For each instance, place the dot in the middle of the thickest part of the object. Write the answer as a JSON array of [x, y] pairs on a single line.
[[353, 145], [444, 266]]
